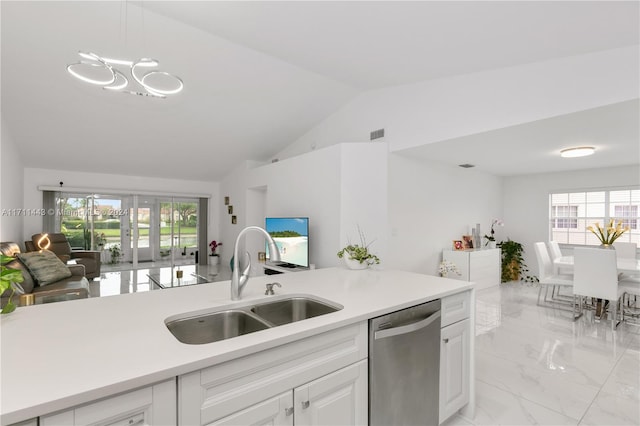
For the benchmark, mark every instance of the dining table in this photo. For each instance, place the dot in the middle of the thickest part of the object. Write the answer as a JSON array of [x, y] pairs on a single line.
[[625, 265]]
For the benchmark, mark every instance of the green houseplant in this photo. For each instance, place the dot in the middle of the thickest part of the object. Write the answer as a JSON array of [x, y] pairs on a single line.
[[358, 256], [9, 276], [513, 266], [116, 253]]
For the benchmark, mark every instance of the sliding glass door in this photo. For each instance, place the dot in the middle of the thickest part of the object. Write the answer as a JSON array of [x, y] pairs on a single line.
[[131, 229]]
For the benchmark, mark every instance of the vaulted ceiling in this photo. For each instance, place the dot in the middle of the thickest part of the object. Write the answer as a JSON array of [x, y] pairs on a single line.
[[257, 75]]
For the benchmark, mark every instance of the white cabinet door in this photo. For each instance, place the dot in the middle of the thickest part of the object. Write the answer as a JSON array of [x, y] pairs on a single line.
[[153, 405], [276, 411], [339, 398], [455, 355]]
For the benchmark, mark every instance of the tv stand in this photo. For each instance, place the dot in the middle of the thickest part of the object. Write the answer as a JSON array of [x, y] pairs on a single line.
[[273, 269]]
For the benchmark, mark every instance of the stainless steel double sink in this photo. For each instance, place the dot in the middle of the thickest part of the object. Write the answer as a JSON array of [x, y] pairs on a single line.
[[199, 328]]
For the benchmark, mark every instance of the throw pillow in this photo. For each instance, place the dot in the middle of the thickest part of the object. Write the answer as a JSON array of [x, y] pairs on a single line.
[[45, 266]]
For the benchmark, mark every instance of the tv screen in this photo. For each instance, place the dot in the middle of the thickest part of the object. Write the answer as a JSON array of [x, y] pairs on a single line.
[[291, 235]]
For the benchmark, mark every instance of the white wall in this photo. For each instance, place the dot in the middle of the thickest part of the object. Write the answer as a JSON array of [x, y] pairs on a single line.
[[12, 184], [97, 181], [526, 200], [321, 185], [436, 110], [430, 205]]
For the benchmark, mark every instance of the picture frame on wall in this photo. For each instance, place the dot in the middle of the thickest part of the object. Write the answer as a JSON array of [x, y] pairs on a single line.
[[234, 220], [467, 241], [226, 201], [230, 209], [458, 245]]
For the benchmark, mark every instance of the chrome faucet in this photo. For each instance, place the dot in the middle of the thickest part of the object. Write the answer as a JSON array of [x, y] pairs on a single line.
[[239, 279], [269, 290]]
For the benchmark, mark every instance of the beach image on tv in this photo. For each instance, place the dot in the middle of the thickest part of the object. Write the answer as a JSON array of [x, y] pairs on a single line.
[[292, 239]]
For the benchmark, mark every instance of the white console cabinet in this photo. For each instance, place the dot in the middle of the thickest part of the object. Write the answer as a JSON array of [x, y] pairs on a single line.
[[455, 354], [153, 405], [476, 265], [318, 380]]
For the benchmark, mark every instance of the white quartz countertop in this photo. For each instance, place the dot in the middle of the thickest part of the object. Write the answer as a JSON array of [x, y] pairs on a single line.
[[59, 355]]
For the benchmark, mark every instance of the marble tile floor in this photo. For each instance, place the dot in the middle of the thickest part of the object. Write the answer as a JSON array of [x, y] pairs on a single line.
[[534, 365]]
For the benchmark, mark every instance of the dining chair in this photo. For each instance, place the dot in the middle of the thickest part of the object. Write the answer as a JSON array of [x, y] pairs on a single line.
[[547, 278], [630, 289], [625, 250], [595, 274], [555, 253]]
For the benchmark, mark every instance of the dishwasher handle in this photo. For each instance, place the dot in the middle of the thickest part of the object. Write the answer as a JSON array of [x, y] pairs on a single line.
[[404, 329]]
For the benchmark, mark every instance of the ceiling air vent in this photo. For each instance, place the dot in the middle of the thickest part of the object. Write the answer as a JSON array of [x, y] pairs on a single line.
[[466, 166], [377, 134]]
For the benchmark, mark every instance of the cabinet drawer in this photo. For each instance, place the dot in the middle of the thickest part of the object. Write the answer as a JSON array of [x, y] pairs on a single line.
[[455, 308]]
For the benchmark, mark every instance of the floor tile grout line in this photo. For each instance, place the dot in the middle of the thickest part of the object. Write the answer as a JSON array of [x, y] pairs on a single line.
[[528, 400], [603, 385]]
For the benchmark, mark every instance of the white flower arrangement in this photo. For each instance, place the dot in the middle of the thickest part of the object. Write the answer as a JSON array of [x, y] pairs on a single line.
[[447, 266]]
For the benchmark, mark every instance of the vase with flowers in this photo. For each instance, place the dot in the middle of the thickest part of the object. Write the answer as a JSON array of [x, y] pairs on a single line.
[[609, 234], [215, 258], [490, 238], [446, 267]]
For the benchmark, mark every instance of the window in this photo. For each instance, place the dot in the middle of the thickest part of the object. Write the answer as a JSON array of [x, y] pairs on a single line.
[[564, 216], [571, 212]]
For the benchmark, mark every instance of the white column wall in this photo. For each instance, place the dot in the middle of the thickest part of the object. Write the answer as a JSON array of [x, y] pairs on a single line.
[[431, 204], [327, 186]]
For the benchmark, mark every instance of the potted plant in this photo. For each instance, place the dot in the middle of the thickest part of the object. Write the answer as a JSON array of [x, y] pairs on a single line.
[[357, 256], [215, 258], [8, 277], [115, 253], [609, 234], [491, 239], [513, 266]]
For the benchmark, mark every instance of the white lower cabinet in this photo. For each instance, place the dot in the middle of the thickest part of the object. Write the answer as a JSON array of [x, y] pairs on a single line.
[[455, 361], [317, 380], [339, 398], [455, 354], [153, 405]]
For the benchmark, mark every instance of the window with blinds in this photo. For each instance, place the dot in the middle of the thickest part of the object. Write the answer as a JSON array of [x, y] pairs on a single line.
[[571, 212]]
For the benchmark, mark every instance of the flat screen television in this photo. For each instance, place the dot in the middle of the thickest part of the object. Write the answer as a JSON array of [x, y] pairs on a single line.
[[291, 235]]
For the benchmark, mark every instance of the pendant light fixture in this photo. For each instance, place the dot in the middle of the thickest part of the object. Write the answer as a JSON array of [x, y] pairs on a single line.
[[137, 77]]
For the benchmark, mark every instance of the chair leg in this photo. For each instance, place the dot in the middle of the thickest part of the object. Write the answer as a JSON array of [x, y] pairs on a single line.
[[577, 307]]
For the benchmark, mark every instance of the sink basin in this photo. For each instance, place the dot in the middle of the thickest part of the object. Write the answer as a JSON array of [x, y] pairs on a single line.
[[197, 328], [292, 309], [215, 326]]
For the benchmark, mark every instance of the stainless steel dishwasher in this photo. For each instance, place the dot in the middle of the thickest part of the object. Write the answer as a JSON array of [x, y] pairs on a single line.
[[404, 366]]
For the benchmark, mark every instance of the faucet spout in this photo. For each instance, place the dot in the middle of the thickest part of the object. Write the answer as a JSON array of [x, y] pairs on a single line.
[[239, 278]]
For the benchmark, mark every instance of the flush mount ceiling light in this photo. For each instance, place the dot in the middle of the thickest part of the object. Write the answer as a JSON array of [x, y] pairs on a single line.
[[94, 69], [580, 151]]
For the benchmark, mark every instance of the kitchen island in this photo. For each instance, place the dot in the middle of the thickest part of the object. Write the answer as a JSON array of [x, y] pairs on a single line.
[[59, 356]]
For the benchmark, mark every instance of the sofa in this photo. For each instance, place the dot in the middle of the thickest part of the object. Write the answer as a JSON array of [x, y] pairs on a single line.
[[61, 247], [76, 284]]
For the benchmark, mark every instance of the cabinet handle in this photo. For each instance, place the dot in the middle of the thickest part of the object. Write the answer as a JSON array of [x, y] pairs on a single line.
[[446, 340], [288, 411], [305, 404]]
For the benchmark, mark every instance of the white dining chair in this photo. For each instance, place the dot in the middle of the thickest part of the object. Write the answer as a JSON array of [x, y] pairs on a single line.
[[547, 278], [625, 250], [595, 274]]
